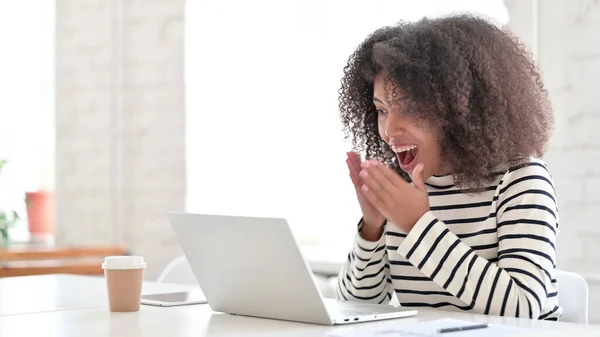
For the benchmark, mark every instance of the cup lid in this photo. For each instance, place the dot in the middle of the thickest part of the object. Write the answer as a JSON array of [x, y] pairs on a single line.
[[123, 262]]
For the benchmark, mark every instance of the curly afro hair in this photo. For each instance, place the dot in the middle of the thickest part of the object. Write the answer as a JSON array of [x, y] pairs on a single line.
[[470, 80]]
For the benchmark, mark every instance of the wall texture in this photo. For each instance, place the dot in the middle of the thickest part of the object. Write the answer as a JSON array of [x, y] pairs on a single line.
[[120, 124], [126, 128], [568, 51]]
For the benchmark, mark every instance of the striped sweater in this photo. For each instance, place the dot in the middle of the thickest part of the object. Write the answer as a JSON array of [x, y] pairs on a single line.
[[492, 252]]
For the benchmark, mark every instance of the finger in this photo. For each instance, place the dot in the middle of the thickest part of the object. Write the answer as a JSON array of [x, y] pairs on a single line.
[[417, 178], [353, 156], [354, 174], [387, 176], [356, 161], [355, 180], [379, 184], [357, 171], [375, 185], [350, 165], [375, 200]]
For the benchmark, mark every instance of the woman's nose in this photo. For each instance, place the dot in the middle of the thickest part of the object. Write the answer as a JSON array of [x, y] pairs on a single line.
[[395, 125]]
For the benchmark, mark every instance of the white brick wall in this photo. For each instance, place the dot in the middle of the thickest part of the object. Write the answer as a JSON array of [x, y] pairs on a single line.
[[152, 113], [569, 55], [150, 149]]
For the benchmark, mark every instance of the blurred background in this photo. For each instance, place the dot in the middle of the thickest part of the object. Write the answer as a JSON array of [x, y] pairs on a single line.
[[114, 112]]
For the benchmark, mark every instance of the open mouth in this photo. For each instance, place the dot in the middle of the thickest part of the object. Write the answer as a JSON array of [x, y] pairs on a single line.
[[406, 155]]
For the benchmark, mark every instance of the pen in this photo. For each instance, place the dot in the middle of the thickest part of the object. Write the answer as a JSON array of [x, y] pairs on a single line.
[[463, 328]]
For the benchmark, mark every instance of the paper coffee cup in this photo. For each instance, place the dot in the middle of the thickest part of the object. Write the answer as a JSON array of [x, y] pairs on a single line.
[[124, 277]]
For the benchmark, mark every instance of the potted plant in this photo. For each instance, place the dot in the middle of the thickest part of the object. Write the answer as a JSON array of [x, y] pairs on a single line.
[[7, 220], [40, 213]]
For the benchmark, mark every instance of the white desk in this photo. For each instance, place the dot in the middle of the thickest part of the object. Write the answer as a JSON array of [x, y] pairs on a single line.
[[33, 294], [198, 320]]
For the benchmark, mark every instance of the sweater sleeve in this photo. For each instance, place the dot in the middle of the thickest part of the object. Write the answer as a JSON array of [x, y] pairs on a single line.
[[527, 224], [366, 274]]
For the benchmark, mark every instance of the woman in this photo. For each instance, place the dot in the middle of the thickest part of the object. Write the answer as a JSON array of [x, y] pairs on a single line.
[[458, 210]]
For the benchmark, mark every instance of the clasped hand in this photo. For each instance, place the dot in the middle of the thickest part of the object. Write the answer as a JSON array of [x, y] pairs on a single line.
[[400, 202]]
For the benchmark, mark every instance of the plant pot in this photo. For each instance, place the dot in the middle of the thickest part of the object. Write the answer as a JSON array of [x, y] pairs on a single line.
[[40, 212]]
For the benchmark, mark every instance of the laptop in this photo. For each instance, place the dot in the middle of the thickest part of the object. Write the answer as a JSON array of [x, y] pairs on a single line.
[[252, 266]]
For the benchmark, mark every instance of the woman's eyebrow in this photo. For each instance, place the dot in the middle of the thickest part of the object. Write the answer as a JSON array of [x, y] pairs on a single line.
[[375, 99]]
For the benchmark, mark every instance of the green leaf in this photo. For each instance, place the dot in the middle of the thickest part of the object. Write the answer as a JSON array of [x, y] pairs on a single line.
[[4, 234]]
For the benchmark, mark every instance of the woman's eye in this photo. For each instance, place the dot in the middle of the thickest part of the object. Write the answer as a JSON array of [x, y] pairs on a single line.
[[381, 112]]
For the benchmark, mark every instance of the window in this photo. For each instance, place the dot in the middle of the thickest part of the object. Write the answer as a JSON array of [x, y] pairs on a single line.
[[27, 102], [263, 130]]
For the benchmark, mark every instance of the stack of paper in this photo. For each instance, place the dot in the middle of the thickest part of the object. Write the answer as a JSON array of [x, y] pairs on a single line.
[[428, 329]]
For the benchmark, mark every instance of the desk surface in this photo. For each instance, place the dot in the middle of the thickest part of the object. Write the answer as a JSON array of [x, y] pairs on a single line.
[[34, 294], [199, 320], [71, 318]]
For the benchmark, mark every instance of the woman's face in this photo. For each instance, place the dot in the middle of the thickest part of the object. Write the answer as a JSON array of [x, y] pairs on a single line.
[[412, 140]]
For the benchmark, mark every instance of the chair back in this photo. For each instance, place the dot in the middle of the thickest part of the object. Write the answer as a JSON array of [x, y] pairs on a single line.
[[573, 297]]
